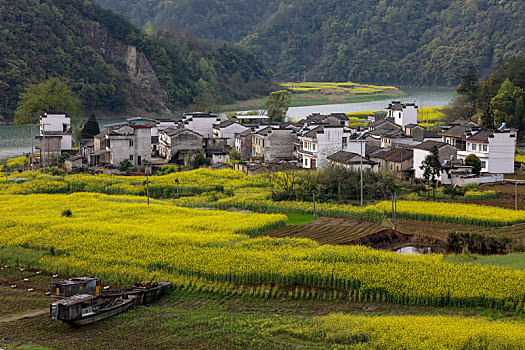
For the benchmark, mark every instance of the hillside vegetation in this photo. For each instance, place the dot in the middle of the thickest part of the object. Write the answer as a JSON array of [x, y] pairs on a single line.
[[112, 65], [428, 42]]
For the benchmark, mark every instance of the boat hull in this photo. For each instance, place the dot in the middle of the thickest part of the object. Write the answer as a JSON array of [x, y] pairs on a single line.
[[102, 315]]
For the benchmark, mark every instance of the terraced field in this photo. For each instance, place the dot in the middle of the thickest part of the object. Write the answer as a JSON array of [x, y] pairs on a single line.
[[341, 231]]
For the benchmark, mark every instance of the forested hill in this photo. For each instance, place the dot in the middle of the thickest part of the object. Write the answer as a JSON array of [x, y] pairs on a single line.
[[112, 65], [417, 42]]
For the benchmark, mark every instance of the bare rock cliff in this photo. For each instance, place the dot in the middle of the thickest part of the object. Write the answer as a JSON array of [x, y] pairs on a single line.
[[145, 94]]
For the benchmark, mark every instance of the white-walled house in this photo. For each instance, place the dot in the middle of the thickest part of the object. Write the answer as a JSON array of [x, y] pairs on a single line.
[[272, 144], [112, 146], [201, 123], [352, 160], [446, 153], [402, 113], [228, 129], [59, 125], [316, 144], [495, 149]]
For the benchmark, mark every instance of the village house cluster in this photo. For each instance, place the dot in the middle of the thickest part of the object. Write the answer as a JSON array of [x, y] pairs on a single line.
[[390, 141]]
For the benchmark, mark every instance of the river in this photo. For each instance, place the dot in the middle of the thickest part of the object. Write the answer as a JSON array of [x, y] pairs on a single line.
[[14, 141]]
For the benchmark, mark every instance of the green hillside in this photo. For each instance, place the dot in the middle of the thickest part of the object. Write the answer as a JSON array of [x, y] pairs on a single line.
[[113, 66], [416, 42]]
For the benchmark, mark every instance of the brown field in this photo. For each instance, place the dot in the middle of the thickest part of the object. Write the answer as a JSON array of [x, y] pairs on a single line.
[[341, 231]]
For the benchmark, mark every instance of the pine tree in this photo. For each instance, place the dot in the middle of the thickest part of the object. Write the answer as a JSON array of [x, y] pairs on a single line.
[[91, 128]]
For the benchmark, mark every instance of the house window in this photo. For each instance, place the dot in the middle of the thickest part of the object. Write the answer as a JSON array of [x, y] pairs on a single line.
[[344, 141], [130, 143], [139, 160], [473, 146], [313, 146], [483, 164], [131, 157], [484, 148]]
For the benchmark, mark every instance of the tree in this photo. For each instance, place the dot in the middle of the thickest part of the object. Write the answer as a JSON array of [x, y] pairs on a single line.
[[431, 167], [473, 161], [277, 105], [125, 165], [197, 159], [91, 128], [469, 85], [51, 95], [503, 105]]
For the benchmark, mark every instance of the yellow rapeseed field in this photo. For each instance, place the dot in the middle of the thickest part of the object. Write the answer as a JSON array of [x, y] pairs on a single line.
[[122, 240]]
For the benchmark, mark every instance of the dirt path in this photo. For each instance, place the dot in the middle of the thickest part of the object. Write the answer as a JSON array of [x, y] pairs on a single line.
[[24, 315]]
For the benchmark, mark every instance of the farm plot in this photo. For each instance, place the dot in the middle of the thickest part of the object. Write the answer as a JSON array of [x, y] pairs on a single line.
[[338, 231]]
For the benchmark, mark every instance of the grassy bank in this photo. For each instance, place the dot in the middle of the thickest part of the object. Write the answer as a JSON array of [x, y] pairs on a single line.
[[314, 93]]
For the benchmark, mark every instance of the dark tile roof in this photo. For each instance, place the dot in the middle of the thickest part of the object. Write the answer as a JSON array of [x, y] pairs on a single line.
[[174, 132], [344, 157], [224, 124], [371, 149], [244, 133], [412, 125], [313, 133], [481, 136], [265, 131], [396, 155], [428, 145], [430, 134], [457, 130], [398, 106]]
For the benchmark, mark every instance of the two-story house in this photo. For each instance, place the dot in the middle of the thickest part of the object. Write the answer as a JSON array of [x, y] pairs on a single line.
[[176, 143], [403, 114], [446, 153], [455, 133], [243, 144], [228, 129], [319, 142], [395, 161], [271, 144], [113, 146], [201, 123], [495, 149]]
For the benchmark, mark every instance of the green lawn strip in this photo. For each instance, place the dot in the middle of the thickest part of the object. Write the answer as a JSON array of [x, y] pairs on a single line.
[[193, 320], [515, 261], [309, 99], [298, 219]]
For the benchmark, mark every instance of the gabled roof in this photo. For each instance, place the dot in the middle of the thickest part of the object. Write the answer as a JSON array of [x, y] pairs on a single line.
[[173, 132], [398, 106], [428, 145], [224, 124], [244, 133], [412, 125], [481, 136], [313, 133], [457, 131], [396, 155], [344, 157]]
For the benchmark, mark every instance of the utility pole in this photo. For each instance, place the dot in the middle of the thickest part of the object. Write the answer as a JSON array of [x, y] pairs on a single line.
[[147, 187], [313, 197], [394, 210], [516, 193], [42, 157], [177, 181], [361, 169], [32, 157], [427, 120]]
